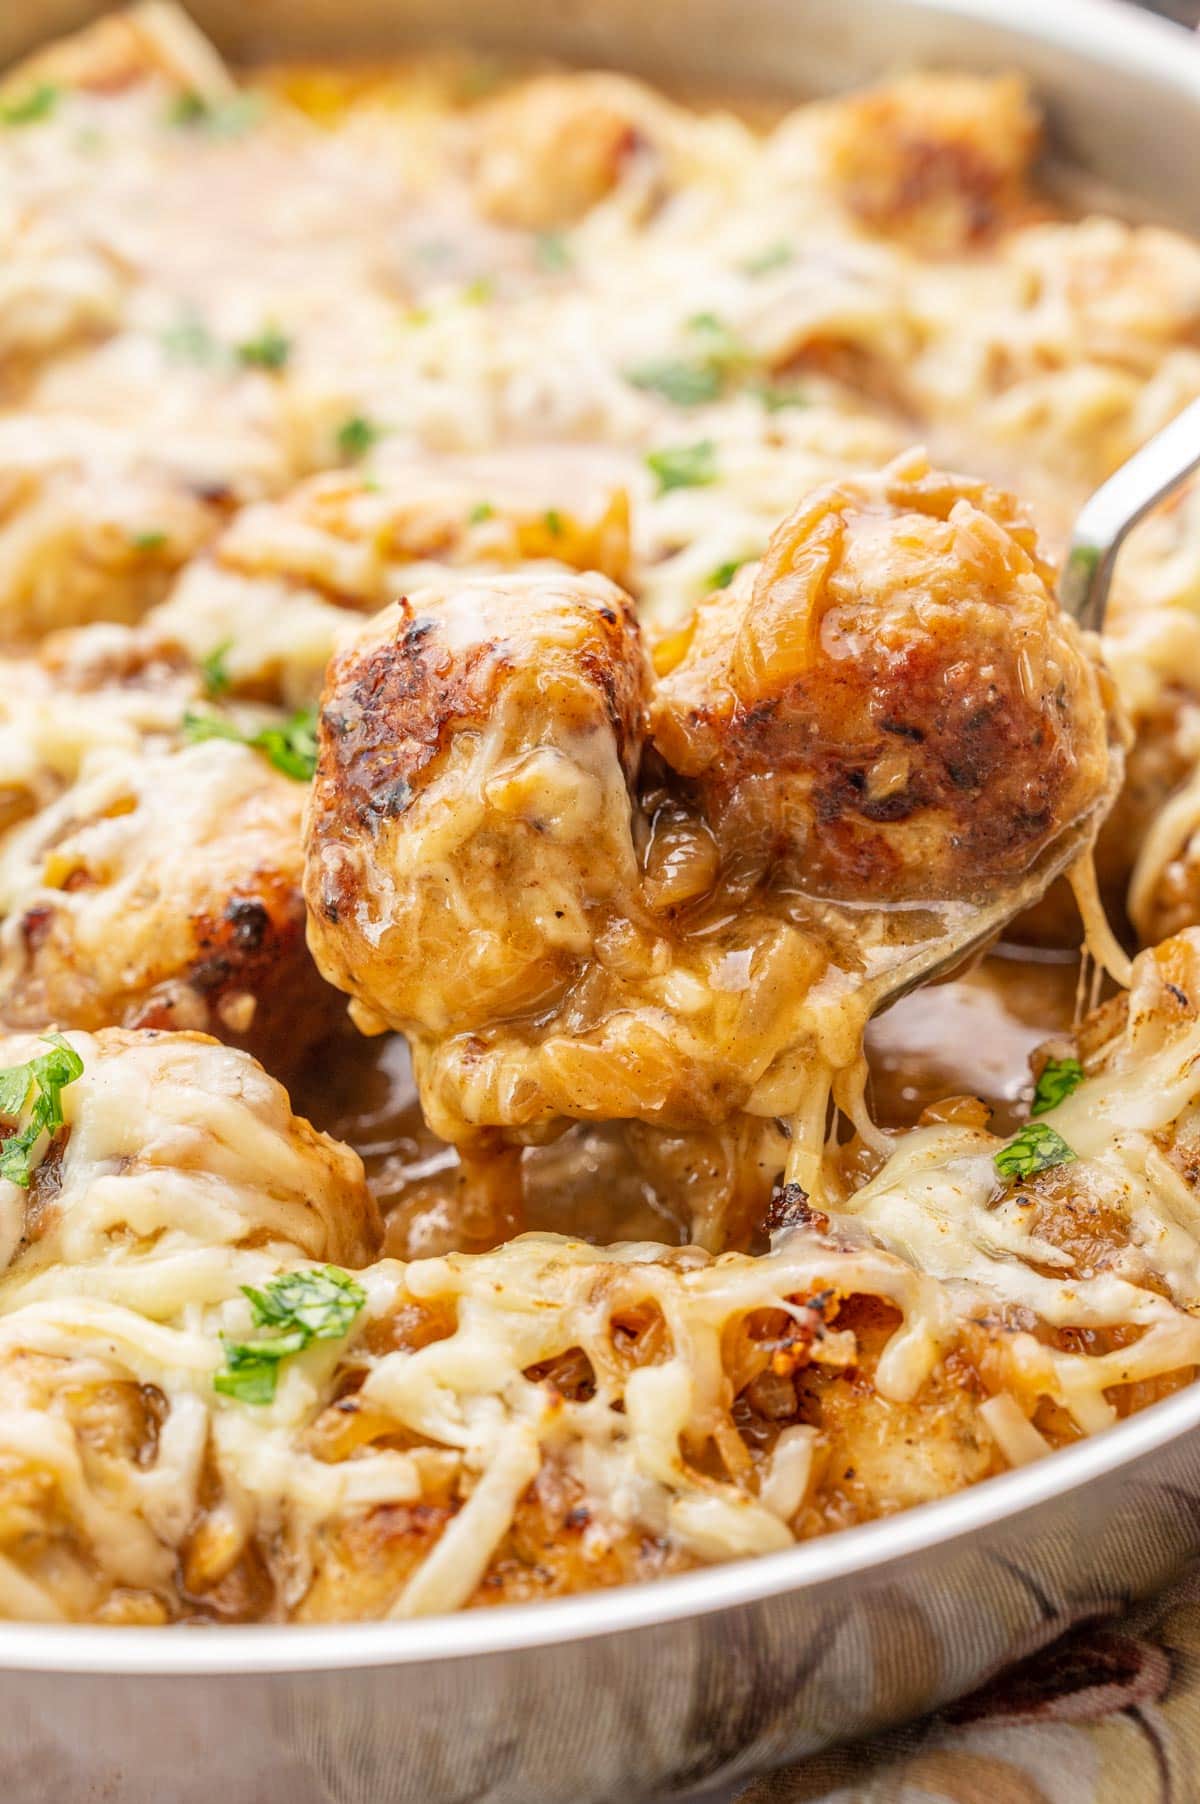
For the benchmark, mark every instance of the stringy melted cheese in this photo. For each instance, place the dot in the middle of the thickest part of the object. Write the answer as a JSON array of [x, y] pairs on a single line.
[[136, 439], [184, 1176]]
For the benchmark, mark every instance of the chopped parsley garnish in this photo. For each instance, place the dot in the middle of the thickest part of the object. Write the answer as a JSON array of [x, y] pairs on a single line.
[[27, 109], [215, 672], [683, 384], [153, 540], [775, 396], [269, 351], [188, 108], [191, 342], [482, 510], [355, 436], [227, 117], [723, 575], [298, 1308], [684, 466], [291, 746], [765, 262], [35, 1087], [1036, 1148], [1058, 1079], [692, 381], [552, 251], [553, 522], [706, 322]]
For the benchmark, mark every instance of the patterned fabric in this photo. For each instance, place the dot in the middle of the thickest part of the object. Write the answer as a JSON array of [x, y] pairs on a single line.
[[1108, 1715]]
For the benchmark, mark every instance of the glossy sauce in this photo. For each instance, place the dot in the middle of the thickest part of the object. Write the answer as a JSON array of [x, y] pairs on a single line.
[[969, 1037]]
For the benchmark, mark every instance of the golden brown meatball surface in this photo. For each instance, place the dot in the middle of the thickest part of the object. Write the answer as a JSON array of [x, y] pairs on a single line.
[[569, 922], [471, 813], [893, 706]]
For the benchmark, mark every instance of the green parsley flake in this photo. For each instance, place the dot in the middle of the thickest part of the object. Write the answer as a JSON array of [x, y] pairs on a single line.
[[479, 292], [683, 384], [215, 672], [1036, 1148], [291, 747], [227, 117], [482, 510], [766, 262], [552, 251], [1058, 1079], [692, 381], [723, 575], [684, 466], [554, 523], [299, 1308], [37, 1087], [721, 346], [153, 540], [355, 436], [480, 77], [775, 396], [191, 342], [30, 107], [269, 351]]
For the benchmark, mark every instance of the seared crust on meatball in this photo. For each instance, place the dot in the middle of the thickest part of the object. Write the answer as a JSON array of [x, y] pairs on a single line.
[[470, 819], [146, 881], [938, 160], [893, 706], [554, 146], [565, 927], [164, 891]]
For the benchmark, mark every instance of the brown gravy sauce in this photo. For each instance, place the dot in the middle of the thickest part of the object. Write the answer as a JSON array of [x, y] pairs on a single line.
[[972, 1036]]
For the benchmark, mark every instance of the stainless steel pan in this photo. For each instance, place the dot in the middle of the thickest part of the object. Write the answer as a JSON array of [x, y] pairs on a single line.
[[721, 1672]]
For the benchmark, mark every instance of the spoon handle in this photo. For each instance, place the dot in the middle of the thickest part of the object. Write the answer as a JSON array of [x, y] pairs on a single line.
[[1148, 477]]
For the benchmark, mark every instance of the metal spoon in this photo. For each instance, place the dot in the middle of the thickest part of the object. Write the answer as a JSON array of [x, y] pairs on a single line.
[[1104, 522]]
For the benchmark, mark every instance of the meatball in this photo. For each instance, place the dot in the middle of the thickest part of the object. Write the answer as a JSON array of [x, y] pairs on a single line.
[[55, 293], [170, 1142], [91, 527], [938, 160], [285, 576], [146, 880], [569, 924], [469, 833], [124, 50], [892, 706], [551, 148]]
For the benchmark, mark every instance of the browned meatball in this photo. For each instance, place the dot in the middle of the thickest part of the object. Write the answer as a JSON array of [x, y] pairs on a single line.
[[566, 929], [470, 822], [146, 881], [892, 707], [939, 160], [553, 147]]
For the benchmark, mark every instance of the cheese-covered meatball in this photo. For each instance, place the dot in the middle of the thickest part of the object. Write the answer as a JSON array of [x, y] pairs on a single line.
[[470, 828], [171, 1143], [939, 160], [285, 576], [569, 923], [551, 148], [145, 880], [892, 705]]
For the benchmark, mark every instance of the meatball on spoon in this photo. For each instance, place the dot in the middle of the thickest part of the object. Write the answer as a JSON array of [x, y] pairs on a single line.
[[592, 880]]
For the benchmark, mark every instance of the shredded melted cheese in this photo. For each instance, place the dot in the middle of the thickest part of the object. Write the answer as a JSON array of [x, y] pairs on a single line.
[[153, 461]]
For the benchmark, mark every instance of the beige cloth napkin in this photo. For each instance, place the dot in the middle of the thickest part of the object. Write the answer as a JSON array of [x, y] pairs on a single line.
[[1108, 1715]]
